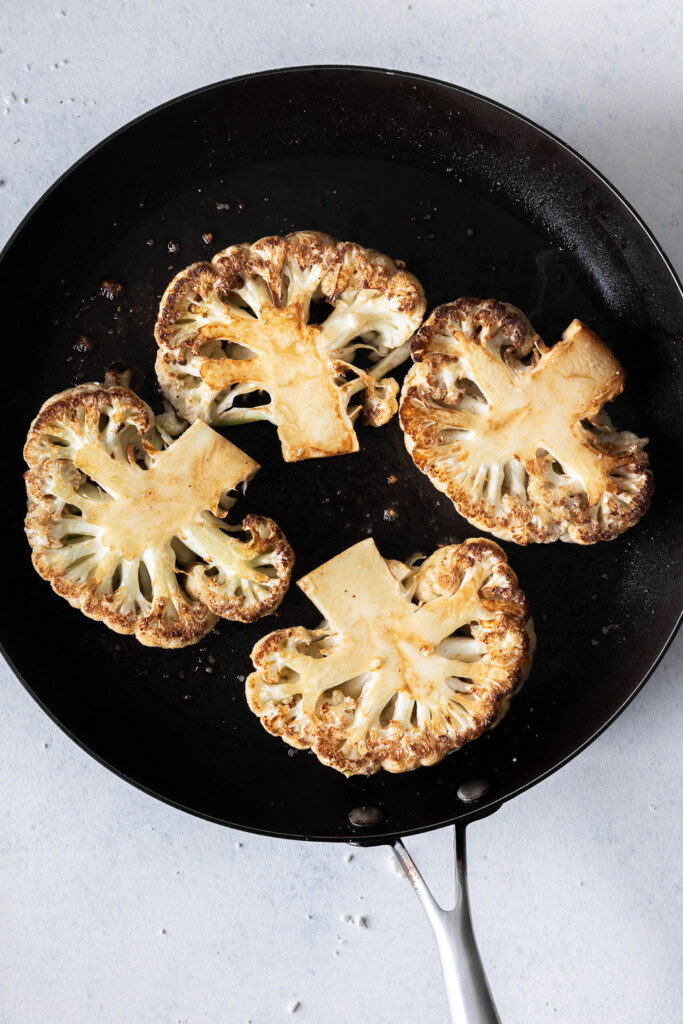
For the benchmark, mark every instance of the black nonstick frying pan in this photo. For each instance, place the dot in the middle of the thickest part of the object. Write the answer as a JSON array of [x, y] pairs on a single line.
[[478, 201]]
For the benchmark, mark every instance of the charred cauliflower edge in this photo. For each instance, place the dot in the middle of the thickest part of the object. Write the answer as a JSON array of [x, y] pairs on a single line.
[[410, 663], [130, 528], [239, 326], [515, 432]]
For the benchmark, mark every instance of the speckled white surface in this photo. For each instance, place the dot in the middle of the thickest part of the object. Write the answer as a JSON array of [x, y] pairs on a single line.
[[116, 908]]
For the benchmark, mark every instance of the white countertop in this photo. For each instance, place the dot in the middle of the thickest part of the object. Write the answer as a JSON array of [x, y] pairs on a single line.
[[117, 908]]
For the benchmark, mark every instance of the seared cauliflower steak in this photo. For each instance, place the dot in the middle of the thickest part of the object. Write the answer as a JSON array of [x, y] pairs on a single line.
[[410, 663], [240, 325], [130, 528], [522, 446]]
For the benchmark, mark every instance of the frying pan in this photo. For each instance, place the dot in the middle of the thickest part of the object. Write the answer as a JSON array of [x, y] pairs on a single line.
[[478, 201]]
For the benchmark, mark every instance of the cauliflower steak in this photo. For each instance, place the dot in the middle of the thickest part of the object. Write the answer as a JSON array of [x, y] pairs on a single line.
[[515, 432], [409, 664], [130, 528], [239, 327]]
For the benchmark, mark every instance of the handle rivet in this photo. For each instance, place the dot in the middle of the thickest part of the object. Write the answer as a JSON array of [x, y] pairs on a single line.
[[472, 790], [364, 816]]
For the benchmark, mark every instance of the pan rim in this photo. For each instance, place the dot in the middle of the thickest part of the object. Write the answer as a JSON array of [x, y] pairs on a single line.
[[378, 834]]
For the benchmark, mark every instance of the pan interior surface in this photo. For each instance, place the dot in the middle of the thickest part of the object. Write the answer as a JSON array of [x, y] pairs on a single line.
[[477, 202]]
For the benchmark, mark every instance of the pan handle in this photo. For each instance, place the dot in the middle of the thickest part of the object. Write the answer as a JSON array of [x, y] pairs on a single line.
[[469, 996]]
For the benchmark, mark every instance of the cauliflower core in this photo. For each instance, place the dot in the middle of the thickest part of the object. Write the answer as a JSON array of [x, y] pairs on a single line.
[[240, 325], [131, 530], [522, 446], [410, 664]]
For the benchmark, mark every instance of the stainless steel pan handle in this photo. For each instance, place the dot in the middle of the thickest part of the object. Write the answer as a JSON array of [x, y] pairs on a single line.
[[469, 996]]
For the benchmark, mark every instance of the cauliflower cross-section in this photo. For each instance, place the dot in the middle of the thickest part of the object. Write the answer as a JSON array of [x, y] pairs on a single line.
[[131, 529], [522, 446], [410, 664], [240, 325]]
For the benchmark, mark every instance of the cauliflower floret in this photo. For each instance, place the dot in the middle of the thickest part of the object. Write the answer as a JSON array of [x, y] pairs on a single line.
[[130, 528], [515, 432], [410, 663], [239, 326]]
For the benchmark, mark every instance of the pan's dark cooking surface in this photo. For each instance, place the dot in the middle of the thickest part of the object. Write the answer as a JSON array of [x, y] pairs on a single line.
[[477, 201]]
